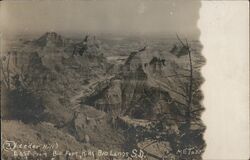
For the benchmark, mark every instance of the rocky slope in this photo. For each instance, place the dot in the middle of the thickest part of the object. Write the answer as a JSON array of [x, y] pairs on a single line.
[[96, 104]]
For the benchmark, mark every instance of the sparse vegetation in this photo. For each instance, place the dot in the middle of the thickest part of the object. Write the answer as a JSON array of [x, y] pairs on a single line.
[[104, 96]]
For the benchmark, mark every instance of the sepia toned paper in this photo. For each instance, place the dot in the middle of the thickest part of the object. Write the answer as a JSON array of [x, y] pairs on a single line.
[[120, 80]]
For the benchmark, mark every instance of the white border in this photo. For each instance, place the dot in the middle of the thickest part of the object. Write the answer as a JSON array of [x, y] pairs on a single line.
[[225, 36]]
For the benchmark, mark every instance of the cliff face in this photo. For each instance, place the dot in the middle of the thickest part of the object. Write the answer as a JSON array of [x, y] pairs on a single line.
[[131, 93], [52, 75]]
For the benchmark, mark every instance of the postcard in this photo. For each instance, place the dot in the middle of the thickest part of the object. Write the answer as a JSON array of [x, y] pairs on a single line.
[[122, 80]]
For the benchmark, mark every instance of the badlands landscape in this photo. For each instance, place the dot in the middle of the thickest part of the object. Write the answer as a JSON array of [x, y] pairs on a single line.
[[101, 97]]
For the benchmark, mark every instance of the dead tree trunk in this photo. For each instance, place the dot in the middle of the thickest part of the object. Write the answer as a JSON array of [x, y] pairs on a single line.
[[190, 94], [190, 87]]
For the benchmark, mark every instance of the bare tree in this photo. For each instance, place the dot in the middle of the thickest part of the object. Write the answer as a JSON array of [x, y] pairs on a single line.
[[190, 94]]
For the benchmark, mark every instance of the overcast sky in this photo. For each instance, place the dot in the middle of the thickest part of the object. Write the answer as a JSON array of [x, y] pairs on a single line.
[[101, 16]]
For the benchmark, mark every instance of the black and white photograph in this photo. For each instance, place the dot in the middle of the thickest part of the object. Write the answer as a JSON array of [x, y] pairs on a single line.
[[101, 80]]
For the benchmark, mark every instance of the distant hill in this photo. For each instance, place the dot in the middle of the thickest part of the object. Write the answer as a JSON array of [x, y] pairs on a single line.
[[50, 39]]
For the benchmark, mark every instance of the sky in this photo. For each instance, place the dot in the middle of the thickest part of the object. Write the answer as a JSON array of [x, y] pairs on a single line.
[[100, 16]]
